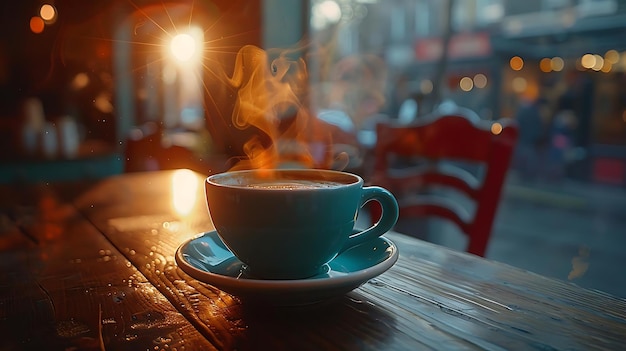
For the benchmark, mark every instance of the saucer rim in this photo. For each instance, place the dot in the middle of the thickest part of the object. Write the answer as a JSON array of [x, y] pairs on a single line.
[[229, 283]]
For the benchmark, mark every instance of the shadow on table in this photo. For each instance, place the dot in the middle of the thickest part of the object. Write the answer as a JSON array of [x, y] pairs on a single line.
[[362, 325]]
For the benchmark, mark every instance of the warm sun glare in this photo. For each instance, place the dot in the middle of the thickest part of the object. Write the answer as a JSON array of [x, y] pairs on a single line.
[[183, 47], [184, 191]]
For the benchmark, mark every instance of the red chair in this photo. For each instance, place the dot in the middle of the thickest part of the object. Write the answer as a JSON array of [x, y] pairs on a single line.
[[446, 152]]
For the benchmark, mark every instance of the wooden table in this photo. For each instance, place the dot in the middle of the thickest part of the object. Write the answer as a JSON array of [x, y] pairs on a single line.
[[91, 267]]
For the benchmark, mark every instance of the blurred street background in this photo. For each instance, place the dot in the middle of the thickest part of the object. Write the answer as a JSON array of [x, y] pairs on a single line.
[[571, 230]]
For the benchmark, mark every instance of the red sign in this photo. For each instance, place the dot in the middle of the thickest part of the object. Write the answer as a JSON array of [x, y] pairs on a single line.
[[462, 45]]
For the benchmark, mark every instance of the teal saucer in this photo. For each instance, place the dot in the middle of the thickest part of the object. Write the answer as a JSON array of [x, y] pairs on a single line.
[[207, 259]]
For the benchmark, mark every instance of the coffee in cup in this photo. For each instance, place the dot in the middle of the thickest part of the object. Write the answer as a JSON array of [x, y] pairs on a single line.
[[288, 224]]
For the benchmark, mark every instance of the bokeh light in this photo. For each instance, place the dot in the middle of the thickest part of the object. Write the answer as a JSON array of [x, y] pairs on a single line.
[[480, 80], [519, 84], [325, 13], [330, 10], [426, 86], [612, 56], [545, 65], [496, 128], [36, 24], [48, 13], [588, 61], [80, 81], [557, 64], [466, 84], [598, 62], [516, 63]]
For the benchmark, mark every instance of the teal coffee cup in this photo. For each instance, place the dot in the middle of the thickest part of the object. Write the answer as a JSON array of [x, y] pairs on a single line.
[[288, 224]]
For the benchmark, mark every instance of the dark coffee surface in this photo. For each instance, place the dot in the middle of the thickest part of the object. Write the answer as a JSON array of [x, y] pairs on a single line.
[[294, 184]]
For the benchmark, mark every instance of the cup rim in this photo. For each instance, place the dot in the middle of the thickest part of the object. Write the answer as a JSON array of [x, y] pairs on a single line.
[[355, 179]]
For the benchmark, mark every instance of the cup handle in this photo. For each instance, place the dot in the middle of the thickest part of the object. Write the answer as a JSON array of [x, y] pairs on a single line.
[[387, 221]]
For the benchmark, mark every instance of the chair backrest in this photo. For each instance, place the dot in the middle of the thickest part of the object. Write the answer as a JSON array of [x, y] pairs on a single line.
[[435, 151]]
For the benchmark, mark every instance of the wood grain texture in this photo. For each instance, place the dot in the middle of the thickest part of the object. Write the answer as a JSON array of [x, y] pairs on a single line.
[[433, 298], [490, 305], [66, 287], [105, 266]]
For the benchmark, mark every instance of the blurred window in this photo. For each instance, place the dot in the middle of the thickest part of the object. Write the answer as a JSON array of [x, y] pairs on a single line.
[[559, 66]]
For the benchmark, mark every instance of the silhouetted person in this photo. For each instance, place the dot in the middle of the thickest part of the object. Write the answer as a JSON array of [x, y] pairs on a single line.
[[530, 132]]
